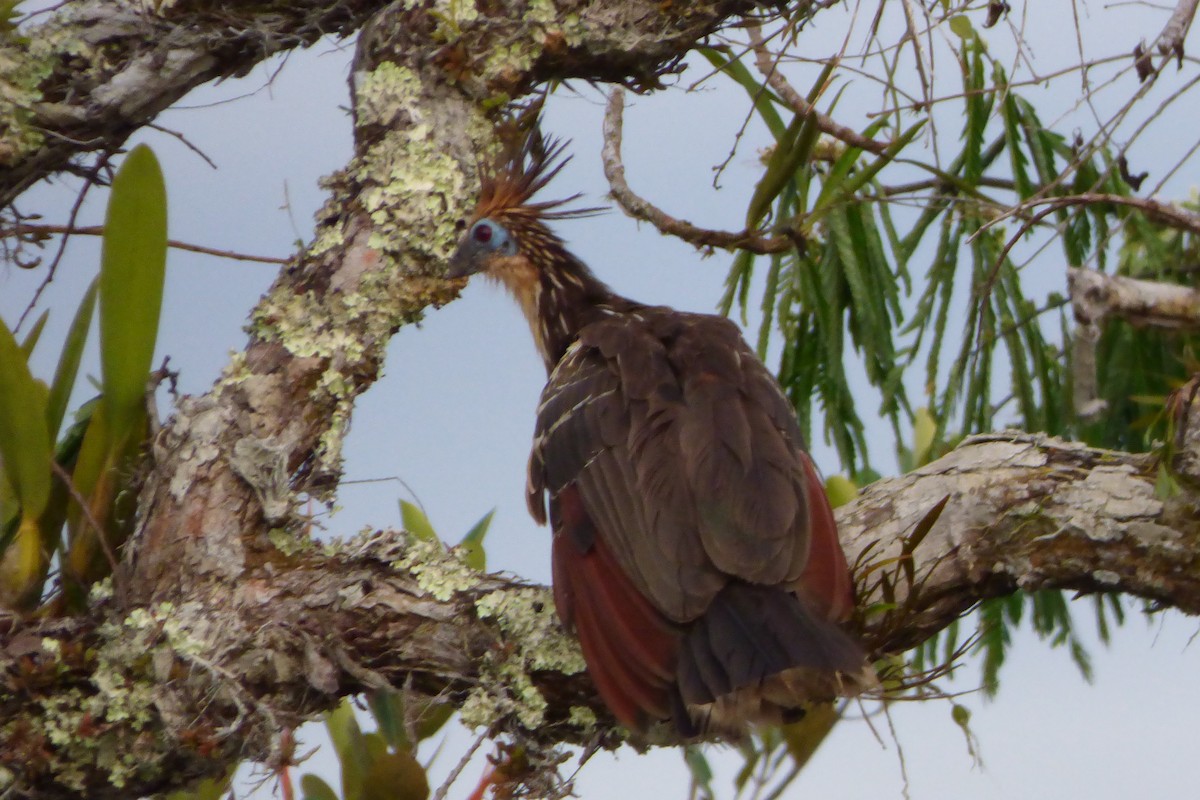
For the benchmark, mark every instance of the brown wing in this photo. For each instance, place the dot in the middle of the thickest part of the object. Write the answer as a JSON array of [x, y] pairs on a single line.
[[675, 468], [687, 458]]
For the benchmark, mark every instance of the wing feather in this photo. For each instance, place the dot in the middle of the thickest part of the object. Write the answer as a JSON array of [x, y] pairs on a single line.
[[688, 459]]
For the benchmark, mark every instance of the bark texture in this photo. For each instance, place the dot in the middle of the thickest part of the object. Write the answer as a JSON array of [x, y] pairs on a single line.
[[224, 625]]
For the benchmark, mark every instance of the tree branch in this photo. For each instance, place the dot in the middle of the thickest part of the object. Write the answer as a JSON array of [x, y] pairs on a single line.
[[769, 68], [1096, 297], [639, 208], [201, 684], [97, 70]]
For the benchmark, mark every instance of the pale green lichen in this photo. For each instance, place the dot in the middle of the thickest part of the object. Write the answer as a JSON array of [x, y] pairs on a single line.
[[440, 572], [27, 59], [583, 717], [516, 57], [23, 66], [113, 727], [527, 620], [410, 187], [526, 616], [408, 175], [290, 542], [573, 29], [101, 591]]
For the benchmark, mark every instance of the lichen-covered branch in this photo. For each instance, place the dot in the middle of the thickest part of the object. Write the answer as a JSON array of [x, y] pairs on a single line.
[[124, 703], [95, 71], [1097, 297]]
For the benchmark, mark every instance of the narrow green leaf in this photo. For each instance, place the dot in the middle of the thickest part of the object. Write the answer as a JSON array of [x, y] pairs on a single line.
[[35, 333], [791, 151], [350, 744], [25, 448], [395, 776], [132, 268], [760, 95], [68, 361], [416, 523], [472, 544], [698, 765], [841, 184], [924, 430], [961, 27], [387, 707], [432, 716]]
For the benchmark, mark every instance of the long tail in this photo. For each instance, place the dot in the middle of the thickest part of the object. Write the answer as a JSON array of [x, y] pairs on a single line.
[[760, 654]]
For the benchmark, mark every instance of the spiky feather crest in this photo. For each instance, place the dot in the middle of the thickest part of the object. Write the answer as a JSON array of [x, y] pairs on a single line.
[[528, 162]]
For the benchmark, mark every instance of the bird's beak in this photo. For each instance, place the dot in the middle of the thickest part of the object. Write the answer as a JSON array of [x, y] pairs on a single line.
[[461, 264]]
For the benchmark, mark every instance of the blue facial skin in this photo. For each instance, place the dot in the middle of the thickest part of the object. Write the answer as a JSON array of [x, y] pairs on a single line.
[[484, 239]]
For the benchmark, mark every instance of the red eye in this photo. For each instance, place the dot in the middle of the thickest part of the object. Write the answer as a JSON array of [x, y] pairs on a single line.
[[482, 233]]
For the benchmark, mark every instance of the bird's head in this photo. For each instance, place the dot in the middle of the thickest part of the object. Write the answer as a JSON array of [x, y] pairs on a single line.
[[485, 243], [507, 229]]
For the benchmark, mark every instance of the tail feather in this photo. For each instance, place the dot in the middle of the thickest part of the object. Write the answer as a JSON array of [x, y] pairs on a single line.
[[760, 654]]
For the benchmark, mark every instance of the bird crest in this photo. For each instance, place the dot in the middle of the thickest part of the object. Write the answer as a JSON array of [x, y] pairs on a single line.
[[527, 162]]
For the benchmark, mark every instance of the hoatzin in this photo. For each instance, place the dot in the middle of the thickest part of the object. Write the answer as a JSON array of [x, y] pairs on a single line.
[[694, 554]]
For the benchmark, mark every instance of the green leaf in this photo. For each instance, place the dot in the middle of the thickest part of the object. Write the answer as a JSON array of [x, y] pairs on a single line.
[[68, 361], [698, 765], [312, 787], [35, 333], [132, 267], [924, 430], [387, 707], [759, 94], [791, 151], [416, 523], [351, 747], [961, 27], [474, 555], [395, 776], [25, 448]]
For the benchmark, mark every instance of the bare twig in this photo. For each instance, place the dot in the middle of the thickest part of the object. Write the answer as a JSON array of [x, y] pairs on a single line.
[[1167, 214], [98, 230], [89, 517], [89, 180], [442, 790], [639, 208], [768, 66], [184, 140]]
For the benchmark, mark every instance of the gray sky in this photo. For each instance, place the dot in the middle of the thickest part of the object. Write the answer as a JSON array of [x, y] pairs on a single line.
[[453, 415]]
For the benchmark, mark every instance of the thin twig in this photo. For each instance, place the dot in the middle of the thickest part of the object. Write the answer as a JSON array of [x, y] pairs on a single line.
[[442, 790], [185, 141], [90, 518], [88, 181], [639, 208], [769, 68], [25, 228], [1167, 214]]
